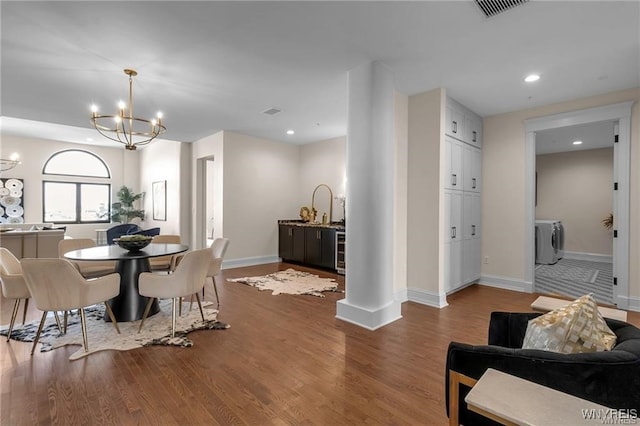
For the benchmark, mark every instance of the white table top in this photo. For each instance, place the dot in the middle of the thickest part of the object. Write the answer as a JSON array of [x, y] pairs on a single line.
[[522, 402], [544, 303]]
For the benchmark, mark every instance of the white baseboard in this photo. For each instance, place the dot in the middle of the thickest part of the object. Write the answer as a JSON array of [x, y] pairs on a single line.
[[506, 283], [371, 319], [632, 303], [592, 257], [424, 297], [249, 261], [401, 295]]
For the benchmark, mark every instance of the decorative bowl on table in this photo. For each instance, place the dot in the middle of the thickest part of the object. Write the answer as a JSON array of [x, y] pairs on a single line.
[[133, 242]]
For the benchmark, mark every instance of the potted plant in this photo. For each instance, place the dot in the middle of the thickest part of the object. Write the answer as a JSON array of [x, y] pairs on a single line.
[[123, 211], [607, 222]]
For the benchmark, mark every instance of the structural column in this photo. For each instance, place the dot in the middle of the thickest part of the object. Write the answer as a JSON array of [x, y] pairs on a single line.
[[369, 300]]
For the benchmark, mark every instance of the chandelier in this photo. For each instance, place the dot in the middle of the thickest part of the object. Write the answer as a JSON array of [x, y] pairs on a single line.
[[124, 127], [8, 164]]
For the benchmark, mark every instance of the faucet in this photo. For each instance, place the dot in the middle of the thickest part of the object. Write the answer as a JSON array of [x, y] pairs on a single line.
[[313, 200]]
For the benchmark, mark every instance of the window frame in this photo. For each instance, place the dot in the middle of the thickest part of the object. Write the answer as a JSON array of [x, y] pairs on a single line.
[[78, 189], [44, 168]]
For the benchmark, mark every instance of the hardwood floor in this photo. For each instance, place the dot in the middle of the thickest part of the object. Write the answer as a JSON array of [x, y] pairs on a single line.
[[285, 360]]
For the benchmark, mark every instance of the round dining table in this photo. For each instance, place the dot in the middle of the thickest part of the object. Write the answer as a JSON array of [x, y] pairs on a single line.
[[129, 304]]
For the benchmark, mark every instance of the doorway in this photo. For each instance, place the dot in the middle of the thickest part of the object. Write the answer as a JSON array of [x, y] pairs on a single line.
[[620, 113], [208, 202], [574, 195]]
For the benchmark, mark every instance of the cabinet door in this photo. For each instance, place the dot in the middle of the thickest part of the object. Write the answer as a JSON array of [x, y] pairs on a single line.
[[471, 257], [298, 243], [472, 168], [453, 216], [454, 164], [313, 246], [452, 265], [285, 242], [454, 122], [473, 130]]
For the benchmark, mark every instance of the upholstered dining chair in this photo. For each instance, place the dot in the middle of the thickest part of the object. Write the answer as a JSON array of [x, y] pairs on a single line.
[[13, 285], [164, 263], [56, 285], [187, 279], [88, 268], [219, 247]]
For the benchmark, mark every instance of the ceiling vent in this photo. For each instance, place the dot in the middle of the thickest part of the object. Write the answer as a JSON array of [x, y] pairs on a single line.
[[272, 111], [494, 7]]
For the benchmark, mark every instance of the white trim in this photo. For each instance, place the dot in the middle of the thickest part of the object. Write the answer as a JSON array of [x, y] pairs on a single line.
[[592, 257], [506, 283], [401, 295], [632, 302], [424, 297], [371, 319], [249, 261], [621, 113], [582, 116]]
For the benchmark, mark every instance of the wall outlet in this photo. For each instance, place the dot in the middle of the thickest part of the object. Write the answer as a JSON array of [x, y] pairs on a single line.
[[486, 260]]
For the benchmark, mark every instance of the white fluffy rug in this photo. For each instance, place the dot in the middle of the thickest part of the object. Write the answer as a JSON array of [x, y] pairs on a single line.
[[103, 336], [291, 282]]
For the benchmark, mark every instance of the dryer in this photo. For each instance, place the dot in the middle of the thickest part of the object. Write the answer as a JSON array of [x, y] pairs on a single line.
[[549, 241]]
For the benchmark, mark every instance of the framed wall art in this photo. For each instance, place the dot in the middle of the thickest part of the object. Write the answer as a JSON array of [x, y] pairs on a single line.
[[11, 200], [159, 196]]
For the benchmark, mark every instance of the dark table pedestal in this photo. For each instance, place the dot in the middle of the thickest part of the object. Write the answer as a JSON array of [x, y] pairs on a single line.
[[129, 304]]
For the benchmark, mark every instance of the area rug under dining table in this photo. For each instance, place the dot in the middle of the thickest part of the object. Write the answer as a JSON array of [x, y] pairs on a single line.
[[102, 335]]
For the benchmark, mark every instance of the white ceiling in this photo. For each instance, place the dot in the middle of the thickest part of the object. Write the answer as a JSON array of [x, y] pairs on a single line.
[[592, 135], [213, 66]]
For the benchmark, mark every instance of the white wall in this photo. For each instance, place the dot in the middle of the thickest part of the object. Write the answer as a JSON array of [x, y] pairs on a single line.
[[322, 162], [577, 188], [35, 152], [160, 161], [503, 201], [426, 118]]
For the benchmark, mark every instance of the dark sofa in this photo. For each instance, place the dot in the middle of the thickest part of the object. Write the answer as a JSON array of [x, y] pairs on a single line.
[[608, 378]]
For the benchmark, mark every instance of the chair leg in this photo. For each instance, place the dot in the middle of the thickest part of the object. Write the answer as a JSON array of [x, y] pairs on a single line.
[[83, 323], [215, 288], [146, 312], [173, 317], [180, 307], [113, 318], [200, 306], [24, 313], [13, 317], [55, 315], [35, 341]]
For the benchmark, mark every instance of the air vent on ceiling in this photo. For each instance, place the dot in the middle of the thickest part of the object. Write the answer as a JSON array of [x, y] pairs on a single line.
[[494, 7], [272, 111]]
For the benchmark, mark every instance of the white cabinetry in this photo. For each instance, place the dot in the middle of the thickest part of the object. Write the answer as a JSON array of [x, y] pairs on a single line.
[[462, 196]]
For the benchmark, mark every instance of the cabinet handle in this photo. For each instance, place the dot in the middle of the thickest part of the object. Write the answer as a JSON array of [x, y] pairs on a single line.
[[473, 230], [317, 235], [473, 183], [453, 232], [454, 179], [474, 136], [290, 232], [455, 127]]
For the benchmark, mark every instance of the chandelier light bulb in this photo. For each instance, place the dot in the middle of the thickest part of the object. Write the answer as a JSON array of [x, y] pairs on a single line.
[[154, 122], [159, 115], [94, 108], [15, 157], [117, 119]]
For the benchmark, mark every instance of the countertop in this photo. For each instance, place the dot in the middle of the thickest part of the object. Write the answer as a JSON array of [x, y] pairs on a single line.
[[338, 226]]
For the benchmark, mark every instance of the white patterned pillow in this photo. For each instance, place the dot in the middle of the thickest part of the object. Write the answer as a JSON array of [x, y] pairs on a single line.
[[574, 328]]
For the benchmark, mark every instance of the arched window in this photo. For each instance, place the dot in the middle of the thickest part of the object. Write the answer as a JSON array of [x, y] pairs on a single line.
[[84, 197]]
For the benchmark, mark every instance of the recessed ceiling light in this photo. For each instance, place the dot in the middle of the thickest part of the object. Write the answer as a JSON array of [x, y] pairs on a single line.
[[577, 142], [290, 132], [531, 78]]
